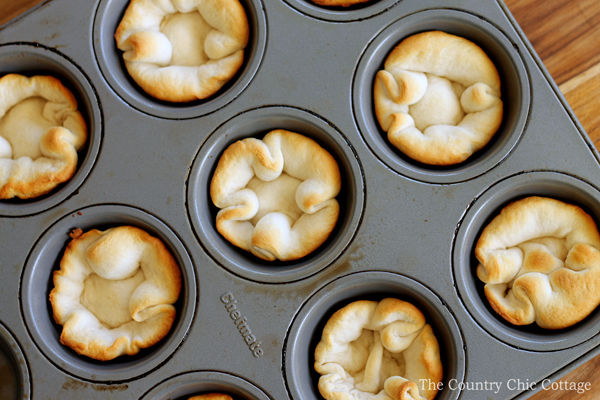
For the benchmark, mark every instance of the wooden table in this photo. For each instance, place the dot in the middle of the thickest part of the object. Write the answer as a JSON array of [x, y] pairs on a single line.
[[566, 35]]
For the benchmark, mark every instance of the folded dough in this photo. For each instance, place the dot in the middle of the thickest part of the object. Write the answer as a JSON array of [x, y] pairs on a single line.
[[114, 292], [378, 351], [211, 396], [438, 98], [40, 134], [183, 50], [540, 260], [276, 195]]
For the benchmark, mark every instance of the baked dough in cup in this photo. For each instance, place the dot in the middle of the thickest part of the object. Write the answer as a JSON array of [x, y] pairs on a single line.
[[41, 132], [383, 350], [340, 3], [540, 262], [183, 50], [276, 195], [211, 396], [114, 292], [438, 98]]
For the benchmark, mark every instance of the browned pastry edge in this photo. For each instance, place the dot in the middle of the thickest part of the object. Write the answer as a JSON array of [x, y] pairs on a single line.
[[211, 396], [167, 316]]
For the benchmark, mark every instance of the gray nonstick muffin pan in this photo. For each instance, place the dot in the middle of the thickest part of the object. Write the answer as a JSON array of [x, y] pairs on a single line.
[[405, 230]]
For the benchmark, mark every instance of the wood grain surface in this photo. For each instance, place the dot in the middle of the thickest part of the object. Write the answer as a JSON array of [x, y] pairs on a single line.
[[566, 35]]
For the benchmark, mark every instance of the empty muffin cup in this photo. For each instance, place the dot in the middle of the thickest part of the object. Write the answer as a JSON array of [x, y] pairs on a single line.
[[483, 210], [515, 93], [35, 60], [37, 283], [184, 386], [257, 123], [307, 328], [110, 60], [14, 375]]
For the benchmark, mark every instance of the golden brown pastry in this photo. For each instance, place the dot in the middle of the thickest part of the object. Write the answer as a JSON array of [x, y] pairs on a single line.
[[183, 50], [41, 131], [438, 98], [276, 195], [378, 351], [540, 261], [114, 292], [211, 396]]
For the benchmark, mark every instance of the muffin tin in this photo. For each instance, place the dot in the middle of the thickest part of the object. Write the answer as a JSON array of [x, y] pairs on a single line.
[[405, 229]]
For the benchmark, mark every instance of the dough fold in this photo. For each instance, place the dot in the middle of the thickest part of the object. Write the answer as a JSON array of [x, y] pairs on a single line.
[[540, 261], [114, 292], [183, 50], [41, 132], [383, 350], [276, 195]]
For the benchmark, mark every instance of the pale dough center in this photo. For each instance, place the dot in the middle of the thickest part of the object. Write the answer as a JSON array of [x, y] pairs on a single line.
[[440, 105], [278, 195], [108, 299], [23, 127], [370, 370], [187, 33]]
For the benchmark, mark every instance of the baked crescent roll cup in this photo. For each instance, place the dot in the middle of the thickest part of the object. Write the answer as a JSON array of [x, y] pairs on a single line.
[[540, 261], [276, 195], [40, 134], [378, 351], [114, 292], [438, 98], [211, 396], [183, 50]]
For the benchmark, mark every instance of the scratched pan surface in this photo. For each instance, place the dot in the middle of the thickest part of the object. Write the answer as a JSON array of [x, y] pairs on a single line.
[[405, 230]]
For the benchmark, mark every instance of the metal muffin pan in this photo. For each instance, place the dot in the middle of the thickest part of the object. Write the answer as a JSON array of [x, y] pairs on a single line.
[[184, 386], [110, 60], [304, 334], [405, 230], [14, 374], [547, 184], [37, 279], [515, 93], [260, 121]]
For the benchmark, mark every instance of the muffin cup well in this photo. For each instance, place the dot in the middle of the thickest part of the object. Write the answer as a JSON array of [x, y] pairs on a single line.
[[515, 93], [307, 327], [484, 208], [14, 375], [110, 60], [37, 282], [33, 59], [343, 14], [256, 123], [186, 385]]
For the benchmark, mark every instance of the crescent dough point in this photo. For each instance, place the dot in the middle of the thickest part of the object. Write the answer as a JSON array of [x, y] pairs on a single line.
[[276, 195], [446, 92], [41, 132], [540, 261], [114, 292], [183, 51], [373, 350]]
